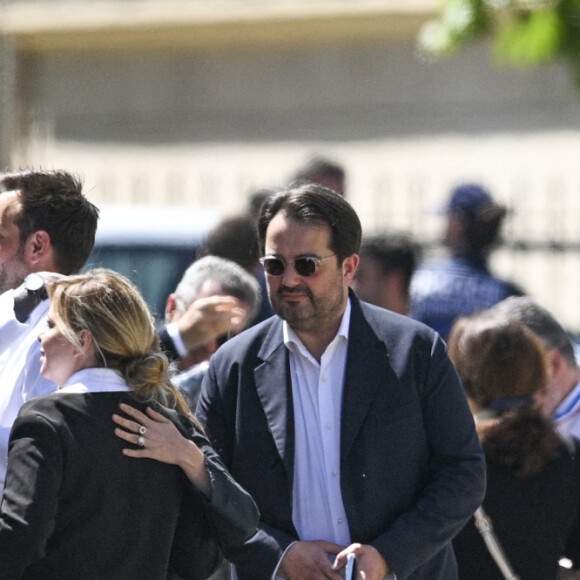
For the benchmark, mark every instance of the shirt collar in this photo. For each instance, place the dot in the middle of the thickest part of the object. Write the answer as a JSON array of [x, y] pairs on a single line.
[[95, 380], [569, 403]]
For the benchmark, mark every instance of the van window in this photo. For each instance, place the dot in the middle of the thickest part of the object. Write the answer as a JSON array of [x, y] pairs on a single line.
[[151, 245]]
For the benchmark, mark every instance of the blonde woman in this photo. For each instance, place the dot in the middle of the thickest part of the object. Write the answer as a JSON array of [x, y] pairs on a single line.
[[74, 505]]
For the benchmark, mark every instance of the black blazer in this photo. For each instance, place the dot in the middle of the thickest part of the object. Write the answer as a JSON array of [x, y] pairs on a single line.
[[412, 469], [536, 520], [75, 507]]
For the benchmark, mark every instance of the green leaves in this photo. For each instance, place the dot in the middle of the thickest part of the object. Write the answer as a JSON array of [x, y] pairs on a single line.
[[531, 38], [459, 20], [525, 33]]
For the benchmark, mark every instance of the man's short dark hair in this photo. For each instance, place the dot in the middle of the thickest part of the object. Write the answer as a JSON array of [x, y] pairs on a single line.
[[53, 201], [392, 251], [236, 239], [319, 166], [313, 204]]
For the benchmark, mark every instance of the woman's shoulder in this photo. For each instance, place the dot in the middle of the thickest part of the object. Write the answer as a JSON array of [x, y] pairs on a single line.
[[61, 404]]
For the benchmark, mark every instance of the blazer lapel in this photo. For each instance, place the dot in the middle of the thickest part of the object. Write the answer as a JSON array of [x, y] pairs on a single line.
[[367, 370], [274, 388]]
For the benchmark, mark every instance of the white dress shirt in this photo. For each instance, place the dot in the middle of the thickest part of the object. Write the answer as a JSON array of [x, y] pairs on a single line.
[[175, 335], [20, 378], [317, 510]]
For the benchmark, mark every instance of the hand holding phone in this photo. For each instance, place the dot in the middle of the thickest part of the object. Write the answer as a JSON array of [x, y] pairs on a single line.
[[349, 568]]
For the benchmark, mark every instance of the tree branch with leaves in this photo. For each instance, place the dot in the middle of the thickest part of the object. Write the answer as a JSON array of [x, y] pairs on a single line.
[[525, 33]]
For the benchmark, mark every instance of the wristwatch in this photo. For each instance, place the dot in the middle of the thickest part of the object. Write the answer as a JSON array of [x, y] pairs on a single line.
[[28, 296]]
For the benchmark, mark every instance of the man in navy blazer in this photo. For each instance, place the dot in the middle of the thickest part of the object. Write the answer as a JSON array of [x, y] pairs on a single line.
[[346, 422]]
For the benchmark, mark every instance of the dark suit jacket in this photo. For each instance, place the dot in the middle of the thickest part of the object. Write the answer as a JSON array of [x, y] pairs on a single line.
[[537, 521], [75, 508], [412, 469]]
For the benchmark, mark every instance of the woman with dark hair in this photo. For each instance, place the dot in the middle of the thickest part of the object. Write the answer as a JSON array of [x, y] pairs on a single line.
[[533, 475], [74, 505]]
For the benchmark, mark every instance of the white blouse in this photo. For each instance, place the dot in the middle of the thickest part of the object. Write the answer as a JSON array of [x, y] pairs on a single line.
[[95, 380]]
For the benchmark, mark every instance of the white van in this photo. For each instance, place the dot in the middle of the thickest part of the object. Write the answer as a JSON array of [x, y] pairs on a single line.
[[151, 244]]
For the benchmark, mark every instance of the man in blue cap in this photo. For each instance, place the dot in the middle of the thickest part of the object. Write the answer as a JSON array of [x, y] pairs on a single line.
[[462, 284]]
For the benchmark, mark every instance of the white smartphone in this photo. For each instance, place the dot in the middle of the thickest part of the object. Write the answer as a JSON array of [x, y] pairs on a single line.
[[349, 568]]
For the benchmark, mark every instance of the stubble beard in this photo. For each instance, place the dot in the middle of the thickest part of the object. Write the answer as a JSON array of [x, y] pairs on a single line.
[[295, 314], [13, 272], [311, 317]]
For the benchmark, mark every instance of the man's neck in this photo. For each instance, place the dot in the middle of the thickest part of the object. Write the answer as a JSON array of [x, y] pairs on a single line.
[[316, 343], [316, 340]]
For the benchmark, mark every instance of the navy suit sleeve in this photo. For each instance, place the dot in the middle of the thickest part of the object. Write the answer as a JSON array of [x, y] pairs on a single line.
[[259, 555], [456, 473], [30, 499], [232, 513]]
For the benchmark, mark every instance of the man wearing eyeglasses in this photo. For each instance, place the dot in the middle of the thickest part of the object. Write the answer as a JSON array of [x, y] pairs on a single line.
[[346, 422]]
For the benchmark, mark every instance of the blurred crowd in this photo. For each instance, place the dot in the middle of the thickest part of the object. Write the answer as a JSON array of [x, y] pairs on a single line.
[[515, 363]]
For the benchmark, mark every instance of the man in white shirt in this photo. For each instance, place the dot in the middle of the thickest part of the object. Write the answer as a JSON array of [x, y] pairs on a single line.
[[561, 401], [346, 422], [46, 226]]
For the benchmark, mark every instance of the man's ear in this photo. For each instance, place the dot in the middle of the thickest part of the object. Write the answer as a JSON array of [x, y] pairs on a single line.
[[38, 251], [349, 267], [556, 360], [170, 307]]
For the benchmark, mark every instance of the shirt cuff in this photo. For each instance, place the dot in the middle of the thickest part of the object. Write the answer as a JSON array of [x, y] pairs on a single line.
[[173, 332], [276, 574]]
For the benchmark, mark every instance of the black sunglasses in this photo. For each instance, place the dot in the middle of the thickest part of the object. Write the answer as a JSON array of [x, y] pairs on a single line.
[[305, 266]]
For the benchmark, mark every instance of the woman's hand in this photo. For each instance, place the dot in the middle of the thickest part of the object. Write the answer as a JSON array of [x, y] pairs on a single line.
[[158, 438]]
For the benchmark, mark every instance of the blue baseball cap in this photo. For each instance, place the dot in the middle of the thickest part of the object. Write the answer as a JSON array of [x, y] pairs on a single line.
[[467, 199]]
